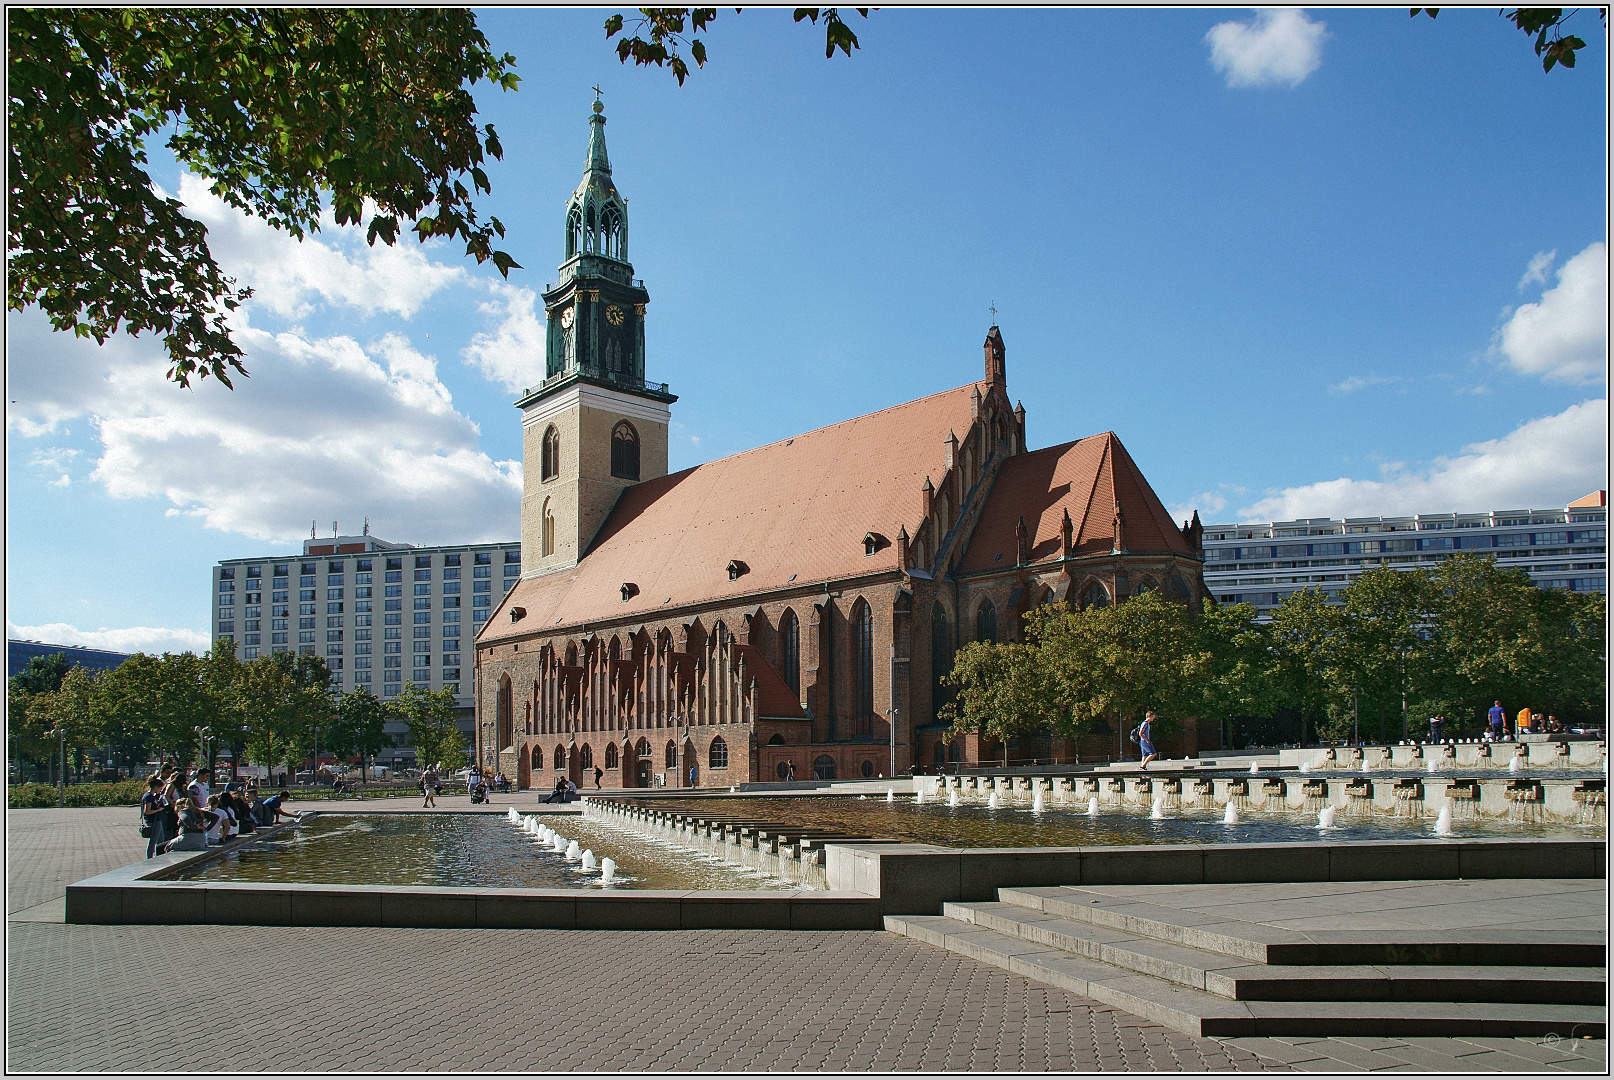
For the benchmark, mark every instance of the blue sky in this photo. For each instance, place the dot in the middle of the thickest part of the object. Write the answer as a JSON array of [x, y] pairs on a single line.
[[1303, 263]]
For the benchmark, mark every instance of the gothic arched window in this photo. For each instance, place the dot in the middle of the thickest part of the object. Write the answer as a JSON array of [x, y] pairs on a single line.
[[718, 756], [790, 651], [625, 452], [550, 467], [643, 749], [610, 756], [504, 735], [986, 622], [672, 756], [1095, 596], [547, 541], [863, 653], [941, 656], [587, 756], [560, 758]]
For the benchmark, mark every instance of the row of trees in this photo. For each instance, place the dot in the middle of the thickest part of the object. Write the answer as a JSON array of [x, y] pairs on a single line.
[[270, 711], [1448, 640]]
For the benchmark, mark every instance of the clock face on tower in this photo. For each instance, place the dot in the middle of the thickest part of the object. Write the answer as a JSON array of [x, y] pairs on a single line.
[[614, 315], [566, 318]]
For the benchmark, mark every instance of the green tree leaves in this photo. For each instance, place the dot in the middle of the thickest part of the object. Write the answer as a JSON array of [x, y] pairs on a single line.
[[1559, 49], [1448, 639], [359, 726], [659, 33], [431, 716], [279, 108]]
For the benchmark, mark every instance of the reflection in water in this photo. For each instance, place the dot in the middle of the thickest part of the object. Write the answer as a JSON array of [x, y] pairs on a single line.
[[465, 851], [1069, 824]]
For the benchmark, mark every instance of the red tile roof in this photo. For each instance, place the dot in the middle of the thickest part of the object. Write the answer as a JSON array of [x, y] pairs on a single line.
[[795, 512], [1086, 478]]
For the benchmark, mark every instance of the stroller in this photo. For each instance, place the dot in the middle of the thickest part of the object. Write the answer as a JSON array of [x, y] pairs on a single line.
[[479, 794]]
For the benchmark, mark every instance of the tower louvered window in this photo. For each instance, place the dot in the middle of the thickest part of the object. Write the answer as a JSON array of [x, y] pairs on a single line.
[[550, 467], [625, 452]]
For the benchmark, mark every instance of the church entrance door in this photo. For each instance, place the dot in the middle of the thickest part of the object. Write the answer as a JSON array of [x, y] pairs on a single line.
[[524, 769], [574, 766]]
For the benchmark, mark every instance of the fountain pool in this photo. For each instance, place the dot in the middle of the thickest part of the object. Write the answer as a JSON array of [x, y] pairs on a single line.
[[462, 850], [1072, 824]]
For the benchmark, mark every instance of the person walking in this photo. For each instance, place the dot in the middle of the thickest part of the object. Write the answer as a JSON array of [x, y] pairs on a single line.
[[1497, 716], [1146, 739], [428, 784], [790, 772], [599, 774], [693, 775]]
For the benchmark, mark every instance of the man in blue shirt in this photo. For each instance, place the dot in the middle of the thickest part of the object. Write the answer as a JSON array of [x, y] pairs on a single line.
[[1498, 715]]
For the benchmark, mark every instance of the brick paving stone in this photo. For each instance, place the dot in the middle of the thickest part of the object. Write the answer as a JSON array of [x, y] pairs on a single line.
[[80, 997]]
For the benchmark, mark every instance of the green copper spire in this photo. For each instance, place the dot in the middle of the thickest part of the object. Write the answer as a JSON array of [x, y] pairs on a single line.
[[596, 214], [596, 309], [598, 166]]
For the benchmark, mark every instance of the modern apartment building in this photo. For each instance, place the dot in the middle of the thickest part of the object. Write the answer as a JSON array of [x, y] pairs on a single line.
[[1261, 563], [381, 614]]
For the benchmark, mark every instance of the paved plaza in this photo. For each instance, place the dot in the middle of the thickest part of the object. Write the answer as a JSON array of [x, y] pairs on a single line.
[[146, 998]]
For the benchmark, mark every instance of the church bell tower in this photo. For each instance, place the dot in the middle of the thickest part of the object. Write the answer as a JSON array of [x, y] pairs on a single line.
[[594, 426]]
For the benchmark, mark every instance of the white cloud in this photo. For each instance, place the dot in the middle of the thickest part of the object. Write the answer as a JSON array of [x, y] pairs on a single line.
[[333, 266], [513, 353], [325, 428], [1545, 462], [1563, 338], [1279, 48], [1362, 382], [1208, 503], [56, 459], [131, 639], [1536, 272]]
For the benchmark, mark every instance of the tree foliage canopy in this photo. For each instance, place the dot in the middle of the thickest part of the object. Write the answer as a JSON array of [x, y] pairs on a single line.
[[1448, 639], [1558, 49], [659, 33], [278, 108], [431, 716]]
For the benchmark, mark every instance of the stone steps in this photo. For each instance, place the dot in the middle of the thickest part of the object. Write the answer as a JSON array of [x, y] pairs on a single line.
[[1237, 979], [1264, 945], [1204, 975]]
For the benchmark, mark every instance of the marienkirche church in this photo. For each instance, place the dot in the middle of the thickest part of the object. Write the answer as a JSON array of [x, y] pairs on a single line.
[[787, 611]]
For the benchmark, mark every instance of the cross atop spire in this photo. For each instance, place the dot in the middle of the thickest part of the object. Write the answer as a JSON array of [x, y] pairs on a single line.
[[596, 91], [993, 308]]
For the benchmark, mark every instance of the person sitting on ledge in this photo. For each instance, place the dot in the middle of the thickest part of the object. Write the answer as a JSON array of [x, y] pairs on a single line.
[[194, 824], [559, 792]]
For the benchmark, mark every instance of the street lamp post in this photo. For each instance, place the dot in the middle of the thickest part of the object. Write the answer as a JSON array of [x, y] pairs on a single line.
[[204, 736], [61, 782]]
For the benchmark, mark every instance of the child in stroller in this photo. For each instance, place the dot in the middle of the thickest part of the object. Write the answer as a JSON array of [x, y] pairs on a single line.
[[479, 793]]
